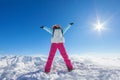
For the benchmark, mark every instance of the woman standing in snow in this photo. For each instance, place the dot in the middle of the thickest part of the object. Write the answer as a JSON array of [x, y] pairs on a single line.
[[57, 41]]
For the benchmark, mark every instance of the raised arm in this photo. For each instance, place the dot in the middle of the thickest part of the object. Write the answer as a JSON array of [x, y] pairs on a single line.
[[46, 29], [68, 27]]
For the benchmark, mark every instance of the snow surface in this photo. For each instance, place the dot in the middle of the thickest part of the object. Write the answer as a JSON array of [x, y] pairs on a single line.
[[86, 68]]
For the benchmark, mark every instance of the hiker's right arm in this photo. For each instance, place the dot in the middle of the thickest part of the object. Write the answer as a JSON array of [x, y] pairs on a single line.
[[46, 29]]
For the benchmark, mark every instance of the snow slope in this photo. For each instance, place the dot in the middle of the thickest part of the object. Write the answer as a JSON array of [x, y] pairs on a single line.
[[86, 68]]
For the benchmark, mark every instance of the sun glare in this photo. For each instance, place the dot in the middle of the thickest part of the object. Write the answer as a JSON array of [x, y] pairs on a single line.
[[98, 26]]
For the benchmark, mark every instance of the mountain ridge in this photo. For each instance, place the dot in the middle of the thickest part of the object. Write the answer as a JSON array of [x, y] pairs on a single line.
[[86, 68]]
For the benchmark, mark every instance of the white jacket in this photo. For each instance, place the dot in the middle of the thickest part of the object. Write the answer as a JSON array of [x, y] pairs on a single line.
[[57, 37]]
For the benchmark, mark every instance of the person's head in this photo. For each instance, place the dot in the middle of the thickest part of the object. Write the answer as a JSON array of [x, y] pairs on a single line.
[[56, 26]]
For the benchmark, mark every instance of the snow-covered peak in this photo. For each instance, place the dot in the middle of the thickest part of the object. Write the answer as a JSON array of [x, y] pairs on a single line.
[[86, 68]]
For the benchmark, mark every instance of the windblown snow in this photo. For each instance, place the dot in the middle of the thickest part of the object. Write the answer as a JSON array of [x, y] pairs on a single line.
[[85, 68]]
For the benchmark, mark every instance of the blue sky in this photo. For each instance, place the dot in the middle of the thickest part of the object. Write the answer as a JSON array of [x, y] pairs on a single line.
[[20, 21]]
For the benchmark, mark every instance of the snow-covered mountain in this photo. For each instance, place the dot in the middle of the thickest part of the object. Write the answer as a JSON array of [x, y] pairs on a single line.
[[86, 68]]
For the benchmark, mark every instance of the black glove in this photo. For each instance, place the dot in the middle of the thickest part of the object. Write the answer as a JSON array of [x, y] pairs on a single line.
[[42, 27], [71, 23]]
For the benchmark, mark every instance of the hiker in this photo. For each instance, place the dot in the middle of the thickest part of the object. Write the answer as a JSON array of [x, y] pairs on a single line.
[[57, 42]]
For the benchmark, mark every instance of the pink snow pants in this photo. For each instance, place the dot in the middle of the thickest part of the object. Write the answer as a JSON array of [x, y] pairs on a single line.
[[53, 49]]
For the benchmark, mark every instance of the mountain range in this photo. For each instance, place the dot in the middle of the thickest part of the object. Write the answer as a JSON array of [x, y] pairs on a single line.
[[85, 68]]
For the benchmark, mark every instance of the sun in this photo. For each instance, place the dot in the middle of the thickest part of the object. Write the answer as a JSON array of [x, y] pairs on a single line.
[[98, 26]]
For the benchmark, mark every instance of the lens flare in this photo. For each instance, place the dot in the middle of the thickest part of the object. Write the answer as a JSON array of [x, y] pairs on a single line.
[[99, 26]]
